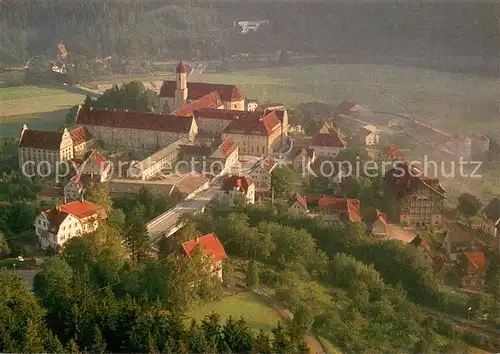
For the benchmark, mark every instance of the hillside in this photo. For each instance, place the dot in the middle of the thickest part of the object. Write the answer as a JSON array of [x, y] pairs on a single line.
[[152, 28]]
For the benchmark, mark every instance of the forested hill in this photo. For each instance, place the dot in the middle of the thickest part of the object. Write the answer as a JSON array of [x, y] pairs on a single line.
[[153, 28]]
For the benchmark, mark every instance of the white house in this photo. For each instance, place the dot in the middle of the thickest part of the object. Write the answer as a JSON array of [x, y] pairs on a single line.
[[224, 157], [261, 173], [54, 227], [368, 136], [327, 143], [297, 205], [212, 248], [239, 185]]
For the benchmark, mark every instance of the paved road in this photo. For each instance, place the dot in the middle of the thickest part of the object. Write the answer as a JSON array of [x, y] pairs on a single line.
[[168, 220]]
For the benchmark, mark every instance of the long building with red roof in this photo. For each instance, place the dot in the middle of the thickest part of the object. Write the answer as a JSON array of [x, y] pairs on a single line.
[[136, 130], [42, 151]]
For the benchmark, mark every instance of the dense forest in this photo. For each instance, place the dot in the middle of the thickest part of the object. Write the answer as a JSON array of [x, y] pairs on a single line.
[[161, 29]]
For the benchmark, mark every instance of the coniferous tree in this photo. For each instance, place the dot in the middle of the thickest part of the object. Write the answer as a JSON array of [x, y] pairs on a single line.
[[252, 278], [136, 236]]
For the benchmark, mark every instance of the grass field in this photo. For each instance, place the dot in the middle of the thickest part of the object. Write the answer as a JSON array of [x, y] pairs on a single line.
[[249, 306], [39, 107], [457, 102]]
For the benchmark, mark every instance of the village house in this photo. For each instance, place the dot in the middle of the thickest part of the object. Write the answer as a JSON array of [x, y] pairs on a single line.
[[175, 94], [392, 153], [423, 247], [368, 136], [471, 270], [223, 158], [56, 226], [259, 137], [327, 143], [491, 218], [282, 114], [261, 173], [95, 166], [212, 248], [297, 205], [379, 226], [41, 151], [419, 200], [74, 188], [235, 186], [136, 130], [458, 239], [83, 141], [303, 159], [339, 209]]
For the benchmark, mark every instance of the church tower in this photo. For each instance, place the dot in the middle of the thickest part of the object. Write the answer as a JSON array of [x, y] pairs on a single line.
[[181, 90]]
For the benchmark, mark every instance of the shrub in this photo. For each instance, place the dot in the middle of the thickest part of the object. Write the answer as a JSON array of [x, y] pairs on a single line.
[[269, 277]]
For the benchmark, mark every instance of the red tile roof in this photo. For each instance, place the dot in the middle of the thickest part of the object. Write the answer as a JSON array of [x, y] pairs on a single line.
[[83, 209], [56, 216], [346, 206], [181, 68], [393, 152], [96, 157], [198, 89], [210, 100], [226, 114], [328, 140], [135, 120], [227, 147], [299, 199], [80, 135], [211, 246], [239, 183], [263, 126], [40, 139], [475, 260]]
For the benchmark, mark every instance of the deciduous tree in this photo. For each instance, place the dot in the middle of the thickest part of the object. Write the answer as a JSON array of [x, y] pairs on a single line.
[[468, 205]]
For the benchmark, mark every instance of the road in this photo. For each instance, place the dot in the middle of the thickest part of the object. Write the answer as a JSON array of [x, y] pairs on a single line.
[[472, 326], [168, 220]]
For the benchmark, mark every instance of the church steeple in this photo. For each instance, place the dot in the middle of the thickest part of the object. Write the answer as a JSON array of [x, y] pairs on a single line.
[[180, 68], [181, 90]]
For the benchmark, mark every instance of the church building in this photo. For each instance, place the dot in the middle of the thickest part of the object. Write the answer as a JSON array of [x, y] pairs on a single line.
[[175, 94]]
